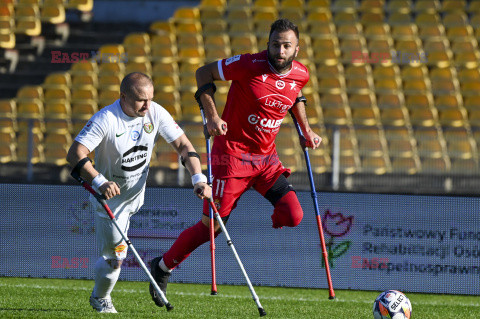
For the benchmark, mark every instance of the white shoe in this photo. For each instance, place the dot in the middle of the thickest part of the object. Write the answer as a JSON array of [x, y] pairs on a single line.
[[102, 305]]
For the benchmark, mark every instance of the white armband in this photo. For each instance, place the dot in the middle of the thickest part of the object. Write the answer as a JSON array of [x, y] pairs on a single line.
[[198, 178], [98, 181]]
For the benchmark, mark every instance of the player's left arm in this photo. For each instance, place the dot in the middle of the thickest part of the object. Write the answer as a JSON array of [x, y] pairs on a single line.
[[311, 138], [191, 160]]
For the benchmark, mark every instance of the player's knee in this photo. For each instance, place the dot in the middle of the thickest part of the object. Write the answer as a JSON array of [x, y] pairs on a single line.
[[287, 211], [114, 263]]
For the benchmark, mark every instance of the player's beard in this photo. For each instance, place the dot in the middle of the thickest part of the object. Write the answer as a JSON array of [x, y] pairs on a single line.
[[280, 66]]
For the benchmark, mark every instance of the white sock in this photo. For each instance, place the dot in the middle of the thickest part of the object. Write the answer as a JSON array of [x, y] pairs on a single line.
[[164, 267], [105, 279]]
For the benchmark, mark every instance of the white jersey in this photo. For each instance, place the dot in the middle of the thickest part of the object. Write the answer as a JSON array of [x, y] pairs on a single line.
[[123, 148]]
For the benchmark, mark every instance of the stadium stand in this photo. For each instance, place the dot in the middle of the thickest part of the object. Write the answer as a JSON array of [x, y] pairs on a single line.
[[413, 112]]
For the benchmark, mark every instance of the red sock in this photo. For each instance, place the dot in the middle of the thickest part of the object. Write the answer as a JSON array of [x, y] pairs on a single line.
[[287, 211], [185, 244]]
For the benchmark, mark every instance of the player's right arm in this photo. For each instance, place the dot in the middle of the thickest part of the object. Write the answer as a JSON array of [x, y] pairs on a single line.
[[78, 152], [204, 75]]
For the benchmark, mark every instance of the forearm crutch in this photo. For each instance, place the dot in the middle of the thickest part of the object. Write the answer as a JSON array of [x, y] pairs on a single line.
[[317, 212], [209, 182], [101, 199], [230, 243]]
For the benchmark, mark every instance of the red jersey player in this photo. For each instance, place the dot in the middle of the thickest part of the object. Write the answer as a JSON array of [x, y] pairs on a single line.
[[264, 87]]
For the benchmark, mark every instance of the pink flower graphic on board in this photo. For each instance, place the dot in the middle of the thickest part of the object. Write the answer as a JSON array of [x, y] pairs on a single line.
[[336, 225]]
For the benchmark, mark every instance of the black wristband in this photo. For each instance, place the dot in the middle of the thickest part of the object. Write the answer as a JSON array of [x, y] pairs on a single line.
[[301, 99], [76, 170], [202, 89], [189, 154]]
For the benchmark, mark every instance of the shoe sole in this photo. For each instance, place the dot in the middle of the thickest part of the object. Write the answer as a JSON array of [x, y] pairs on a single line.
[[153, 293]]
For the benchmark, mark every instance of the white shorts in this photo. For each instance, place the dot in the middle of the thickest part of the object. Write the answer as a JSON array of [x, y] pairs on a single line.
[[109, 241]]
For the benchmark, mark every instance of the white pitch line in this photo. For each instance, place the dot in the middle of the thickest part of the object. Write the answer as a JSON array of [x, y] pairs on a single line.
[[179, 293]]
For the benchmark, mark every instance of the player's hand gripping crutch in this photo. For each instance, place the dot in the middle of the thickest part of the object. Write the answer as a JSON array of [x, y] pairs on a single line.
[[101, 199], [209, 182], [315, 205], [230, 243]]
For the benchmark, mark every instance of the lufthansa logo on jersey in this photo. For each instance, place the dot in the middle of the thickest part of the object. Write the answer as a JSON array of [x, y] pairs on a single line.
[[253, 119], [135, 135], [280, 84], [134, 158]]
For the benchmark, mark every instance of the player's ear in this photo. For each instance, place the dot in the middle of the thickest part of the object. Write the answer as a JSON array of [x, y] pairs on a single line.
[[297, 48]]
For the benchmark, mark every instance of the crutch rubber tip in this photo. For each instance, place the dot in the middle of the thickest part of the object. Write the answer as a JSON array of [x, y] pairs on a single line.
[[169, 306], [262, 312], [331, 297], [214, 293]]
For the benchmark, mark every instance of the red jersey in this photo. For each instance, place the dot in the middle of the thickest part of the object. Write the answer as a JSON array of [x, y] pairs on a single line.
[[257, 102]]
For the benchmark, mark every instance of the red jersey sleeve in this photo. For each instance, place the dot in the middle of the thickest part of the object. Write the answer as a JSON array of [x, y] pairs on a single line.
[[235, 67]]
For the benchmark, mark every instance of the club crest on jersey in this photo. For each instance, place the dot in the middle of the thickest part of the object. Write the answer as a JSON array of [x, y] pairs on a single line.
[[148, 128], [280, 84]]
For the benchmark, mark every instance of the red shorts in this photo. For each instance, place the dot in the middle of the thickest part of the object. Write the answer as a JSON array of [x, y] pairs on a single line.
[[233, 176]]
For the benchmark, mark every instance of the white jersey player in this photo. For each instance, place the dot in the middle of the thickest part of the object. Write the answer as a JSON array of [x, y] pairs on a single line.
[[123, 135]]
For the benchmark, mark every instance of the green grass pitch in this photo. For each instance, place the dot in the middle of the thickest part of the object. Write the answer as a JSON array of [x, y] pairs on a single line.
[[62, 298]]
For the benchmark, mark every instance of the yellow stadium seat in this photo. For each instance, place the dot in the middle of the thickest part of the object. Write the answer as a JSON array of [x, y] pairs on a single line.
[[84, 67], [453, 5], [57, 110], [240, 27], [166, 82], [84, 80], [390, 100], [57, 93], [405, 165], [423, 117], [454, 19], [165, 68], [57, 79], [111, 53], [105, 69], [471, 102], [170, 101], [430, 148], [8, 124], [345, 5], [143, 67], [401, 147], [312, 5], [435, 165], [52, 13], [464, 166], [107, 97], [214, 27], [27, 20], [453, 117], [162, 27], [109, 81], [83, 110], [394, 116], [8, 108], [427, 6], [81, 5], [32, 109], [376, 164], [209, 13], [29, 92], [186, 14], [243, 44]]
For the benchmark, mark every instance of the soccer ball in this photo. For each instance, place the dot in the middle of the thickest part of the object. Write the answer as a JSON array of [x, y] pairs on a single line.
[[392, 304]]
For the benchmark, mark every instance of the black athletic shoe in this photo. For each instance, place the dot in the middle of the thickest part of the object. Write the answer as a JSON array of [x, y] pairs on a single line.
[[161, 278]]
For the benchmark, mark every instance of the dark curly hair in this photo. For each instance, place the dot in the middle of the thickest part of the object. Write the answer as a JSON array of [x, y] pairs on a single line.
[[282, 25]]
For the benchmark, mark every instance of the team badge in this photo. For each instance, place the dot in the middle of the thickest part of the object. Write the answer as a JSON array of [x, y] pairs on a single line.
[[280, 84], [148, 127]]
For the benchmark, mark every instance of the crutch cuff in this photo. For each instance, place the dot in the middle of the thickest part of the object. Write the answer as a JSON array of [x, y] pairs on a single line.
[[75, 173], [202, 90]]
